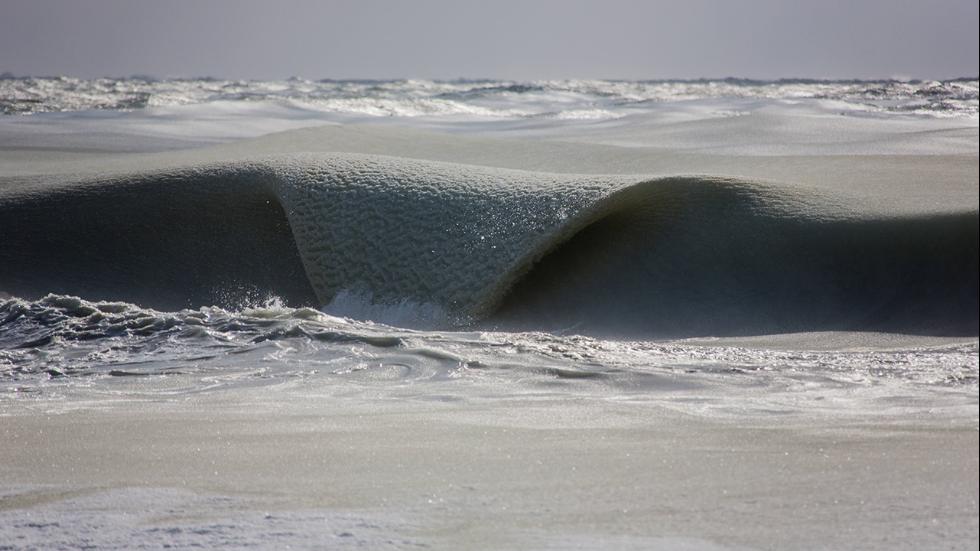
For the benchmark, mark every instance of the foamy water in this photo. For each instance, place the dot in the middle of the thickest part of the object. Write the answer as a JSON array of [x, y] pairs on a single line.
[[565, 99], [64, 348]]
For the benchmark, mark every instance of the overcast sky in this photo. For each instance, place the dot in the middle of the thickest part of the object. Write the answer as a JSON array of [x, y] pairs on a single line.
[[511, 39]]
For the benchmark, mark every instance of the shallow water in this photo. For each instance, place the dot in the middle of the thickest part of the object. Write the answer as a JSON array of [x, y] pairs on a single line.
[[64, 347]]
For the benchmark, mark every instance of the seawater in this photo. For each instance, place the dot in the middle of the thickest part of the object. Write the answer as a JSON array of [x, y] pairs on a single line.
[[56, 347], [556, 99], [64, 348]]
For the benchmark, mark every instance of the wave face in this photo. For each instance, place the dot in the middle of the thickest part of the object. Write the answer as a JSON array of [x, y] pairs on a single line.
[[631, 255], [166, 240]]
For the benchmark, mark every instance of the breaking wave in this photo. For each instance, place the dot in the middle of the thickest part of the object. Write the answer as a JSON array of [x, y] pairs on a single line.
[[443, 244]]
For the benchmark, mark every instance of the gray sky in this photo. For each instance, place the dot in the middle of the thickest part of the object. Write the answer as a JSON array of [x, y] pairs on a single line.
[[513, 39]]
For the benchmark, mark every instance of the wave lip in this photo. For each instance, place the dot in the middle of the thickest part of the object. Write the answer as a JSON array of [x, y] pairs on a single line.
[[429, 232], [649, 256]]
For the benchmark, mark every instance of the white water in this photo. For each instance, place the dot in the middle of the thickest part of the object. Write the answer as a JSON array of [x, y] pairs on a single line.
[[791, 117], [566, 99]]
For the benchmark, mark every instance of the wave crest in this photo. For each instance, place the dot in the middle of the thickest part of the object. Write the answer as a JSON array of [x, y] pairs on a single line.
[[653, 256]]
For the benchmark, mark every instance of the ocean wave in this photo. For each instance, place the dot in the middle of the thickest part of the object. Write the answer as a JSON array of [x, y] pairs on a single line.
[[667, 256]]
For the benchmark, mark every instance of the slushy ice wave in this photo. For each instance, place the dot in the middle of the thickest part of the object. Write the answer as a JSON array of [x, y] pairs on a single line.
[[640, 256], [410, 270], [796, 243]]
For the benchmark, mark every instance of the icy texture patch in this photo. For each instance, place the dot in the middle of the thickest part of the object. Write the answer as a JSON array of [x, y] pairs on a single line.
[[405, 230]]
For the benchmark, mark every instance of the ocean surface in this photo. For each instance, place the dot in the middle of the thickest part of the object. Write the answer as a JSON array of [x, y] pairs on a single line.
[[550, 99], [748, 251], [547, 252]]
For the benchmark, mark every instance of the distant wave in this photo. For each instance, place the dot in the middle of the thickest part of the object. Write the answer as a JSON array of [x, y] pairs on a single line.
[[665, 256], [481, 98]]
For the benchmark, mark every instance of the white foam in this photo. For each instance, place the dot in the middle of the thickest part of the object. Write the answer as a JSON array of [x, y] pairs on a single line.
[[796, 117], [956, 98], [361, 305]]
